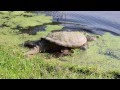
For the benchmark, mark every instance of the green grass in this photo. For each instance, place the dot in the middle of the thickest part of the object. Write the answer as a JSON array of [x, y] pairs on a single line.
[[100, 61], [92, 63]]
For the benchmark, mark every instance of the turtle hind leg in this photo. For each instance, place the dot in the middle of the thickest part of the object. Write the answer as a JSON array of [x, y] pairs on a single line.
[[91, 38]]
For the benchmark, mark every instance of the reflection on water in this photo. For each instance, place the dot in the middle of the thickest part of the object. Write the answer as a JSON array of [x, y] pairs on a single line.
[[97, 22]]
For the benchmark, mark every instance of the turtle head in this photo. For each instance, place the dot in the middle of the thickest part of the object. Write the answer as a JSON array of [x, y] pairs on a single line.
[[34, 47], [32, 44]]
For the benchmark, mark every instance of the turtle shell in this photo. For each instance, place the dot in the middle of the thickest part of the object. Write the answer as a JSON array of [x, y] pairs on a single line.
[[72, 39]]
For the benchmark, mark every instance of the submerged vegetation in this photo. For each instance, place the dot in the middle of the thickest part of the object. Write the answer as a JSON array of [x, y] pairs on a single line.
[[101, 60]]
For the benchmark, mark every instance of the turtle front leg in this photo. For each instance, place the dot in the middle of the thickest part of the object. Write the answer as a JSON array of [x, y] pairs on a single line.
[[33, 51], [65, 52], [84, 46]]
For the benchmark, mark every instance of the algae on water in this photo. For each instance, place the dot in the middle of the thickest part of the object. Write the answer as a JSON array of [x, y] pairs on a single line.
[[22, 19]]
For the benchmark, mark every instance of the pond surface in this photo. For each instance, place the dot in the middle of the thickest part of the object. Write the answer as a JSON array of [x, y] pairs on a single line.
[[96, 22]]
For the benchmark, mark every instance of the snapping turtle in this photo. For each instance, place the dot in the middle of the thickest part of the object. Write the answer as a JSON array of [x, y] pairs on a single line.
[[59, 42]]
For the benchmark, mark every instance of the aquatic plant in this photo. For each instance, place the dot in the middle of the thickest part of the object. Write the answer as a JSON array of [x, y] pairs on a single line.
[[22, 20]]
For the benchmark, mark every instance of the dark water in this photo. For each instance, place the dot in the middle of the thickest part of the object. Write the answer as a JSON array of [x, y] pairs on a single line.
[[97, 22]]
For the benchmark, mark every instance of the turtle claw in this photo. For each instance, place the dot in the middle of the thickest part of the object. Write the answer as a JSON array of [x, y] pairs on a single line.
[[33, 51]]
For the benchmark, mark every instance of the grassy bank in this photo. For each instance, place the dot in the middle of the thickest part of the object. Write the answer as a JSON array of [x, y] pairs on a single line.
[[101, 60]]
